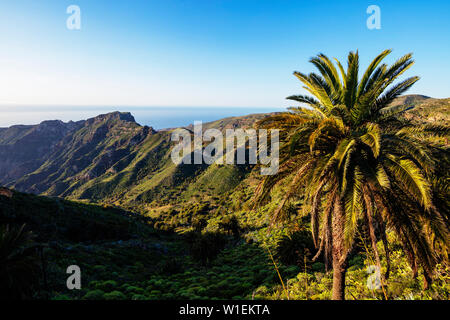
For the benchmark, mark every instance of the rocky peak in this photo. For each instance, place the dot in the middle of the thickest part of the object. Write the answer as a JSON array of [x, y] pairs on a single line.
[[116, 115]]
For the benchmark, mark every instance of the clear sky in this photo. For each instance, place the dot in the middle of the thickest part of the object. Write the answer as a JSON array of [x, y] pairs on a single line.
[[204, 52]]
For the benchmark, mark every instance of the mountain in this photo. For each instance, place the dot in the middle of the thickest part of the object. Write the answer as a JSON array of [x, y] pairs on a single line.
[[411, 99], [111, 158], [23, 149], [122, 257], [108, 198], [107, 158], [85, 153], [68, 221], [431, 110], [39, 158]]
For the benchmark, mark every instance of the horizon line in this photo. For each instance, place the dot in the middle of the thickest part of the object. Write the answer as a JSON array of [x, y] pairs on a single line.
[[127, 106]]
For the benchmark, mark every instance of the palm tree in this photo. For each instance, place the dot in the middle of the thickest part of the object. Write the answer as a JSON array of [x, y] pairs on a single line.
[[358, 164], [18, 263]]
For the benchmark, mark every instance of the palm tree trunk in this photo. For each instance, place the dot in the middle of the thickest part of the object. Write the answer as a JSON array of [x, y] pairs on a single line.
[[339, 252], [338, 283], [426, 280]]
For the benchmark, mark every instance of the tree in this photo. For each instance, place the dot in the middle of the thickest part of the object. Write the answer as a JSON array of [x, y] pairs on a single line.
[[295, 248], [18, 263], [205, 247], [357, 162], [230, 224]]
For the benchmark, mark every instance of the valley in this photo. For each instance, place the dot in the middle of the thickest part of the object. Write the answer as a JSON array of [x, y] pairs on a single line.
[[104, 194]]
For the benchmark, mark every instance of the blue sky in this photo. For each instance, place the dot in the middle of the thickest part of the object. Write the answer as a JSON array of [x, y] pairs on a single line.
[[204, 53]]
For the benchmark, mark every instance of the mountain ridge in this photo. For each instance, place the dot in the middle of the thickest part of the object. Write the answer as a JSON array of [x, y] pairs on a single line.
[[112, 158]]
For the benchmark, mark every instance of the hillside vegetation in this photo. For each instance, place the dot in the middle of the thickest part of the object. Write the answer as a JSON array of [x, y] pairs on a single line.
[[105, 195]]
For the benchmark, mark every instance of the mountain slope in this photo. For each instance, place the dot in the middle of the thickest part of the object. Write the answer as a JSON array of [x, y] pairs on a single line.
[[24, 149], [83, 153], [111, 158]]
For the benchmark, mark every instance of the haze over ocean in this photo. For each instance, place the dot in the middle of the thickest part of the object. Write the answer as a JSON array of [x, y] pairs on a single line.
[[156, 117]]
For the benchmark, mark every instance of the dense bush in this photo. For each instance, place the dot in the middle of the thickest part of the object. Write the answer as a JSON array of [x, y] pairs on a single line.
[[94, 295], [114, 295], [296, 248], [19, 266], [144, 264], [231, 225], [205, 247]]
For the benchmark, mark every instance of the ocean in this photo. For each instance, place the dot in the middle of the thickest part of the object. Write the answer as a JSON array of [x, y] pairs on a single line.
[[156, 117]]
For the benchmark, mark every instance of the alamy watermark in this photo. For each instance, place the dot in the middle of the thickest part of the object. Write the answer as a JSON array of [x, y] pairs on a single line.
[[374, 20], [374, 280], [74, 280], [239, 146], [73, 22]]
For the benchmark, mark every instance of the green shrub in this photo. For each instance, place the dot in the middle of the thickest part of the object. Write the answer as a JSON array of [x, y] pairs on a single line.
[[133, 289], [231, 225], [106, 286], [138, 297], [295, 248], [318, 267], [172, 266], [96, 294], [115, 295], [61, 297], [206, 247]]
